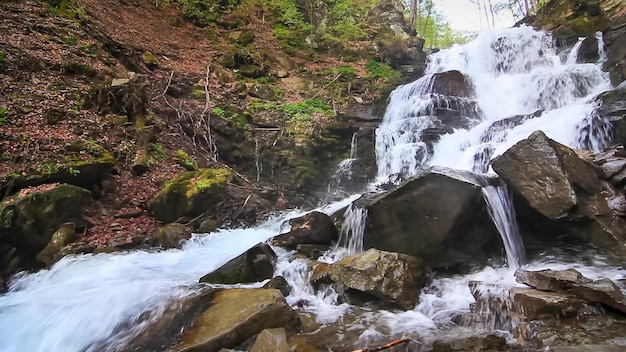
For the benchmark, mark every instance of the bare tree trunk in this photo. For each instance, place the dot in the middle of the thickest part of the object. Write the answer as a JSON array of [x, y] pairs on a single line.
[[413, 13]]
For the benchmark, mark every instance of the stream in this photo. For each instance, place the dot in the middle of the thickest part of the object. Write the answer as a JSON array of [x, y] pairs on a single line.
[[97, 302]]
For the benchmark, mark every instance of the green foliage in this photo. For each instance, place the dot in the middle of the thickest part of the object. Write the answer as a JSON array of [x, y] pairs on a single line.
[[377, 69], [308, 107], [70, 40], [346, 19], [158, 150], [3, 118], [217, 111], [432, 26], [346, 70]]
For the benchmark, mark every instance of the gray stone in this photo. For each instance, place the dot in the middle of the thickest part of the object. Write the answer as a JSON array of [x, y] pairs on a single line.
[[256, 264], [390, 276], [439, 216]]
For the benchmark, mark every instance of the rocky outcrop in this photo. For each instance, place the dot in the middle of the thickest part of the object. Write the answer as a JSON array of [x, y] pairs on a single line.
[[389, 276], [612, 108], [572, 282], [234, 316], [439, 216], [190, 194], [28, 220], [563, 191], [312, 228], [256, 264]]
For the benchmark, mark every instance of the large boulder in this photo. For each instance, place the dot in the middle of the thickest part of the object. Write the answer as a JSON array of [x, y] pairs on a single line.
[[256, 264], [63, 236], [312, 228], [439, 216], [563, 192], [389, 276], [234, 316], [570, 281], [190, 194], [29, 219]]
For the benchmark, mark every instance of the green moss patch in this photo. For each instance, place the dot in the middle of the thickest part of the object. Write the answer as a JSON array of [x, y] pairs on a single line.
[[190, 194]]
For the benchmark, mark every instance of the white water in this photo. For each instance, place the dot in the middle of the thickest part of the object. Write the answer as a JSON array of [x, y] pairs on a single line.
[[93, 302]]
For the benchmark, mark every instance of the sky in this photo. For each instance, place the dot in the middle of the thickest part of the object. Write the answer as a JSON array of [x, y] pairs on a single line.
[[463, 15]]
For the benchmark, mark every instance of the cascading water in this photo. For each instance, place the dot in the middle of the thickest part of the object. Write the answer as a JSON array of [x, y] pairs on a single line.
[[95, 302]]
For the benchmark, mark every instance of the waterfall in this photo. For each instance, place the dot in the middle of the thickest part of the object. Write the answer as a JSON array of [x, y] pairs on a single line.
[[501, 211], [342, 178], [519, 84]]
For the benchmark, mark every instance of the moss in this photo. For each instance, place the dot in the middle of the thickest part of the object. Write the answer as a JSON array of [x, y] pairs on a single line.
[[82, 153], [190, 194], [184, 160]]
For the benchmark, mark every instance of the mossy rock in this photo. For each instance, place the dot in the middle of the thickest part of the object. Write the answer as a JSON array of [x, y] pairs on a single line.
[[82, 163], [183, 159], [172, 235], [30, 220], [190, 194]]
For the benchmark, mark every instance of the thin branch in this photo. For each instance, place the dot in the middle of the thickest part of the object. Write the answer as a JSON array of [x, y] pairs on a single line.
[[384, 347]]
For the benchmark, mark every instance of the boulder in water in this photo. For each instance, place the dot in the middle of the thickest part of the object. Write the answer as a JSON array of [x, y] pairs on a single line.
[[452, 84], [473, 343], [256, 264], [439, 216], [234, 316], [389, 276], [563, 192], [63, 236], [312, 228], [570, 281], [172, 235]]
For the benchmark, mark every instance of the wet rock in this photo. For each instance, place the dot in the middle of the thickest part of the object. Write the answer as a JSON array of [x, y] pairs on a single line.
[[540, 170], [320, 274], [280, 284], [312, 251], [389, 276], [535, 304], [588, 51], [271, 340], [312, 228], [612, 167], [451, 228], [63, 236], [474, 343], [256, 264], [612, 107], [172, 235], [453, 84], [234, 316], [190, 194], [570, 281], [563, 191]]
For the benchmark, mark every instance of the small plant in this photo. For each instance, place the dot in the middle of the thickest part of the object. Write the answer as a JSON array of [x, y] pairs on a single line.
[[217, 111], [158, 150], [3, 118], [70, 40], [377, 69], [347, 70], [73, 171]]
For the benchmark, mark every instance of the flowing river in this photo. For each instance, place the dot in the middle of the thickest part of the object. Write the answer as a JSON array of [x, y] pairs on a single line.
[[97, 302]]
